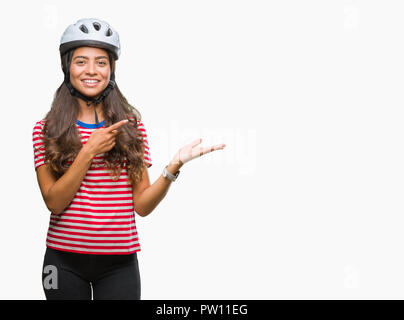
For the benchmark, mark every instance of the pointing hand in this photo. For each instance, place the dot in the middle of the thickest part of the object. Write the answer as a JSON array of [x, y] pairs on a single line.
[[103, 139]]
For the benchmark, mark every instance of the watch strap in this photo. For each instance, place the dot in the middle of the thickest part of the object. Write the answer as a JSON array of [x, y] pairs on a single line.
[[170, 176]]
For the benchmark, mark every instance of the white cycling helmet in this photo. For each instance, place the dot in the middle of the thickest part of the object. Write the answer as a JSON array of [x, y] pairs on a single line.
[[90, 32]]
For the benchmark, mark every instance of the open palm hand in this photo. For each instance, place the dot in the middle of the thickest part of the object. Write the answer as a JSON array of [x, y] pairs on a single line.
[[190, 151]]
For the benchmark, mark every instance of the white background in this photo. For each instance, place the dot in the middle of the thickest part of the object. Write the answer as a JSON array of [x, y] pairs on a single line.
[[305, 202]]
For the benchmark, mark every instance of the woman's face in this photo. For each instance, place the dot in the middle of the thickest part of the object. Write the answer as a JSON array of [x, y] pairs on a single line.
[[90, 70]]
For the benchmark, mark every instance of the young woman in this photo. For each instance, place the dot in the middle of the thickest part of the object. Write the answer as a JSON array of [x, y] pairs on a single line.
[[91, 158]]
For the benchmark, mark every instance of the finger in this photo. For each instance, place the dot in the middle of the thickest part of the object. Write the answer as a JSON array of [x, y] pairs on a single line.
[[206, 150], [117, 125], [111, 139], [196, 142], [217, 147]]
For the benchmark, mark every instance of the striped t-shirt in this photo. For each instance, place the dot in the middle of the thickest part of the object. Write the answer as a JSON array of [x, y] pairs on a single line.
[[101, 217]]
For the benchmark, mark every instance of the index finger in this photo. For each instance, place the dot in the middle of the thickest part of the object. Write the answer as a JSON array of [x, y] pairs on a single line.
[[117, 125]]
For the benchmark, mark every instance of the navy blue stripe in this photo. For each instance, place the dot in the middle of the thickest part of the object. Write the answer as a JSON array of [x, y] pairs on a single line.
[[90, 126]]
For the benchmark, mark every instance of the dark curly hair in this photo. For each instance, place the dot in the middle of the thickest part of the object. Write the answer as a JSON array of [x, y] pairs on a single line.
[[61, 136]]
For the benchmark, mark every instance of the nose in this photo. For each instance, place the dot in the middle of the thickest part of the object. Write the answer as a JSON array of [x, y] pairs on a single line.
[[91, 69]]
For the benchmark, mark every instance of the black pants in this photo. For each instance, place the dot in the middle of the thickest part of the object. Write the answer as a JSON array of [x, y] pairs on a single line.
[[67, 275]]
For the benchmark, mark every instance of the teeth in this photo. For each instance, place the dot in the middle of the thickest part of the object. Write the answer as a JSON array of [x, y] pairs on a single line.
[[90, 81]]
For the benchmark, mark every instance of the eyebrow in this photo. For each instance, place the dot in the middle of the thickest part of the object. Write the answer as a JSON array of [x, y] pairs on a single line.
[[99, 57]]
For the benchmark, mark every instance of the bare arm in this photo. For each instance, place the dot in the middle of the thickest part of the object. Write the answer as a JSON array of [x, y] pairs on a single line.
[[58, 194], [146, 197]]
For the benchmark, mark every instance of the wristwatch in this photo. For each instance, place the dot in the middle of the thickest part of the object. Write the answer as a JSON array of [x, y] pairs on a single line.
[[170, 176]]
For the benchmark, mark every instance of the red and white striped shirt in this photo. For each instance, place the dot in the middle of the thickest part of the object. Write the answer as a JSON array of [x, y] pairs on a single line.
[[101, 217]]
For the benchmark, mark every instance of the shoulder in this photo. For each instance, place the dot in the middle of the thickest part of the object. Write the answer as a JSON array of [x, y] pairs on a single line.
[[38, 126]]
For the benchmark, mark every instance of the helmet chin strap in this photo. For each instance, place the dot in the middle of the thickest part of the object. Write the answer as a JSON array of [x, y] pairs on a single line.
[[87, 99], [95, 112]]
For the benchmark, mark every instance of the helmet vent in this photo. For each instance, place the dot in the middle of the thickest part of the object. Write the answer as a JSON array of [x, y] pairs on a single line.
[[96, 26], [83, 28], [108, 33]]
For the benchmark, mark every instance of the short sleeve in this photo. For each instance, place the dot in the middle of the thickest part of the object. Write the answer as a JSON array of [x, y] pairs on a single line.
[[37, 141], [147, 156]]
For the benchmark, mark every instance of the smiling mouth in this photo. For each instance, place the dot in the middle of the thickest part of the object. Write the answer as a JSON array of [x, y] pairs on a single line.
[[90, 83]]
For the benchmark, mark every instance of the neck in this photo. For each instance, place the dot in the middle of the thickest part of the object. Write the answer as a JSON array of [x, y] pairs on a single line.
[[86, 113]]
